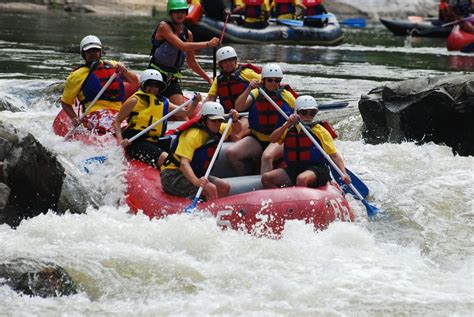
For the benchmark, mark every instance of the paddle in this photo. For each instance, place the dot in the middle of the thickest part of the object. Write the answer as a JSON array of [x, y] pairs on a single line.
[[352, 22], [102, 158], [214, 58], [81, 118], [442, 26], [193, 204], [371, 210]]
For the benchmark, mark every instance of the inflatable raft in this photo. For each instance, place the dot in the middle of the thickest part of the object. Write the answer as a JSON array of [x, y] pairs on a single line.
[[329, 35], [402, 27], [249, 207], [459, 40]]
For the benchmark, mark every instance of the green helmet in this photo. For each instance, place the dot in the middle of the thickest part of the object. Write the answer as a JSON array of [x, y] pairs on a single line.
[[176, 5]]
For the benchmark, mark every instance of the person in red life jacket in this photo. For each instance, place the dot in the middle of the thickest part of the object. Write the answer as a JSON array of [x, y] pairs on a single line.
[[306, 166], [182, 173], [263, 120], [444, 14], [172, 45], [231, 83], [313, 7], [142, 109], [85, 82], [256, 13], [284, 9], [237, 7], [461, 9]]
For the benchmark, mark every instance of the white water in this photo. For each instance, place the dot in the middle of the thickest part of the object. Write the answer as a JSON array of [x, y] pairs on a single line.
[[415, 259]]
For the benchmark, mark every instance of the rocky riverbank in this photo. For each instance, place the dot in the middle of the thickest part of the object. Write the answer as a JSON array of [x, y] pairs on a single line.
[[345, 8]]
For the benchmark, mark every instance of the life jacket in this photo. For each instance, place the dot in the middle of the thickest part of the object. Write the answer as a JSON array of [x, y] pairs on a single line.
[[203, 155], [263, 117], [283, 7], [461, 7], [153, 109], [99, 74], [230, 87], [166, 56], [253, 8], [298, 149], [313, 7]]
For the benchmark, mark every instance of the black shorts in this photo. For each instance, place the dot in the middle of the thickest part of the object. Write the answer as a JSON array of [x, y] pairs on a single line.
[[263, 144], [175, 183], [173, 87], [320, 170], [144, 150]]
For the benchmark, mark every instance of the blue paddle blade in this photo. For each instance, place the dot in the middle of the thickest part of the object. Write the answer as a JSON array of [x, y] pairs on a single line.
[[95, 160], [371, 209], [192, 206], [356, 181], [289, 22], [354, 22]]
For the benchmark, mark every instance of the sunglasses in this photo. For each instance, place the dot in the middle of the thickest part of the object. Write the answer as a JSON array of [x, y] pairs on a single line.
[[216, 120], [153, 84], [311, 112], [184, 11], [92, 50], [271, 80]]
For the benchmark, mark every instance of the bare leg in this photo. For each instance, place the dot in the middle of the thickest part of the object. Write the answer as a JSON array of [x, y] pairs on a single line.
[[273, 152], [223, 187], [162, 158], [247, 148], [210, 191], [276, 179], [243, 133]]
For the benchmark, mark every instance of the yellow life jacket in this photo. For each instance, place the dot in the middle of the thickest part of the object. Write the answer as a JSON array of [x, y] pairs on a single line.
[[149, 109]]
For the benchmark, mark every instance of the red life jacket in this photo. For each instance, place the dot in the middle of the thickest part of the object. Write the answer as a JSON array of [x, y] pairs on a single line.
[[253, 8], [300, 150], [99, 74], [263, 117], [283, 7], [313, 7], [229, 88]]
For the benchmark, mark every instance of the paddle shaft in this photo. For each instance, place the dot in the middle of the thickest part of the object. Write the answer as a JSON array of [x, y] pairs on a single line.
[[213, 160], [442, 26], [310, 136], [214, 57], [81, 118], [160, 120]]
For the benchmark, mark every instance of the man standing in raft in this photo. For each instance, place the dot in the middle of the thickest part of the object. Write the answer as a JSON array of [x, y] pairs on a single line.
[[182, 173], [142, 109], [231, 83], [85, 82], [172, 45], [307, 167]]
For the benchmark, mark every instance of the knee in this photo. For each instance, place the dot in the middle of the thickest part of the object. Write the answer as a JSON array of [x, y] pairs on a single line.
[[225, 189], [267, 157], [266, 180], [301, 181]]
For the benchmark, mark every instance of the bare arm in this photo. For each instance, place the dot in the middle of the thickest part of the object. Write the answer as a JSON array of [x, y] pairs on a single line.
[[236, 124], [187, 170], [210, 98], [166, 33], [70, 113], [276, 134], [337, 159], [244, 101], [193, 64], [186, 111], [122, 115]]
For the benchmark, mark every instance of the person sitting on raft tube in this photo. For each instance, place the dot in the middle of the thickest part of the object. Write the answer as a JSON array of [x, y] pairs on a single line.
[[183, 172], [306, 166], [312, 7], [263, 120], [461, 9], [230, 84], [284, 9], [85, 82], [142, 109], [256, 13], [172, 45]]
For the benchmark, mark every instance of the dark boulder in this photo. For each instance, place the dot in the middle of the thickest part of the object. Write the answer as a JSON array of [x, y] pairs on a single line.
[[438, 109], [32, 178], [36, 278]]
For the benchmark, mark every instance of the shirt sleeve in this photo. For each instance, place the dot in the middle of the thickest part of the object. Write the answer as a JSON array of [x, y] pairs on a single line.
[[249, 74], [73, 85], [189, 142], [288, 98], [325, 138], [213, 89]]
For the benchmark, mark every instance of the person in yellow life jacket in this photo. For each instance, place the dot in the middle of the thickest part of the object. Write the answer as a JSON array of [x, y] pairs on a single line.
[[237, 6], [284, 9], [306, 166], [263, 119], [256, 13], [172, 45], [85, 82], [142, 109], [231, 83], [183, 172]]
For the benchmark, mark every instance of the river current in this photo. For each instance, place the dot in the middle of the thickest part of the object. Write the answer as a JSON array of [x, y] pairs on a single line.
[[415, 259]]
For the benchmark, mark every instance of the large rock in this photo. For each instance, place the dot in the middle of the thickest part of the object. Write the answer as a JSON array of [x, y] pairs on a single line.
[[36, 278], [31, 176], [439, 109]]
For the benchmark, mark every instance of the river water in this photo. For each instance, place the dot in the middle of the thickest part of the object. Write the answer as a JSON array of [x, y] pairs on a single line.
[[415, 259]]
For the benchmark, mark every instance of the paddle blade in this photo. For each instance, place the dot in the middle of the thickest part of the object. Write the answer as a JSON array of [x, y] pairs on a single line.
[[192, 206], [356, 181], [371, 210], [93, 161], [289, 22], [354, 22]]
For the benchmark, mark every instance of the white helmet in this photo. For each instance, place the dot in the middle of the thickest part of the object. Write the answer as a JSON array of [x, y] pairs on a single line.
[[224, 53], [151, 74], [90, 41], [272, 70], [305, 102], [213, 110]]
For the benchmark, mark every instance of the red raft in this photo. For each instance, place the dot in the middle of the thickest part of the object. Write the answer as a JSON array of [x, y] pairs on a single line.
[[459, 40], [249, 207]]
